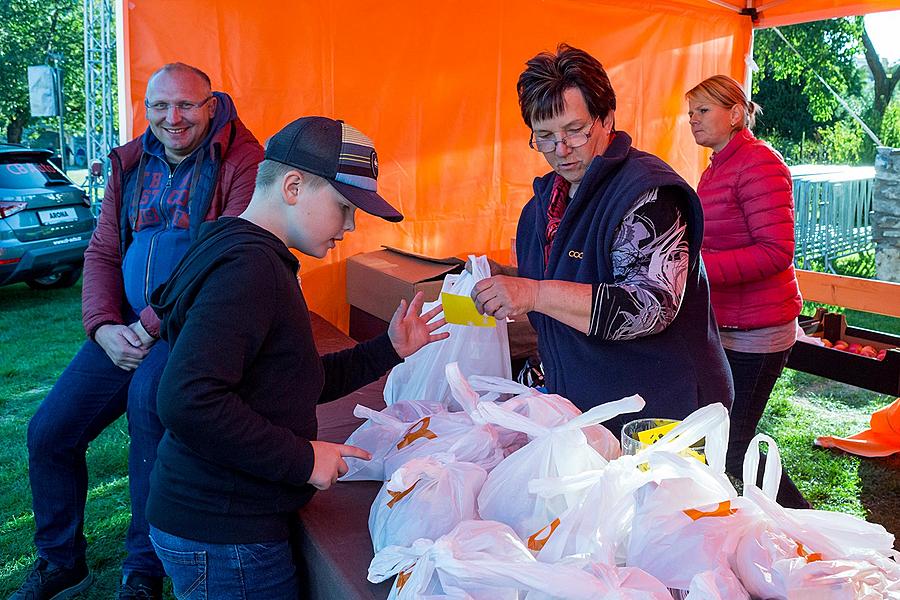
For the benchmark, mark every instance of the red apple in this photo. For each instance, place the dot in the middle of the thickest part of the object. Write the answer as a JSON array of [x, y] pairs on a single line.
[[868, 351], [855, 347], [841, 345], [826, 343], [881, 354]]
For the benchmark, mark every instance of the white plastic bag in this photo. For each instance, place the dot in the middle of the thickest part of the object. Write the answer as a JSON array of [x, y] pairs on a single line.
[[552, 452], [698, 524], [598, 523], [566, 579], [800, 553], [463, 434], [478, 350], [489, 562], [720, 584], [547, 410], [476, 557], [425, 498], [379, 432]]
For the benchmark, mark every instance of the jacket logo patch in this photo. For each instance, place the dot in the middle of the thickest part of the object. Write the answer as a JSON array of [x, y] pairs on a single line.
[[576, 254]]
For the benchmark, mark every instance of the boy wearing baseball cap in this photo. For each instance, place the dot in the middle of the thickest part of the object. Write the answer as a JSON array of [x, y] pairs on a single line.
[[238, 395]]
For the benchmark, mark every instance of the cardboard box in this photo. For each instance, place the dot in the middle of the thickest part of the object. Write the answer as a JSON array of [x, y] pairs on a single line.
[[882, 376], [376, 281]]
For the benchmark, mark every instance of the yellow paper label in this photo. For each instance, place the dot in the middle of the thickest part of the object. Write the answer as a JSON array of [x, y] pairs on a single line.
[[460, 310], [651, 436]]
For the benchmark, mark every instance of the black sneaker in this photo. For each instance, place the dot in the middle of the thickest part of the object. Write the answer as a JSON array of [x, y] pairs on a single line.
[[140, 587], [49, 582]]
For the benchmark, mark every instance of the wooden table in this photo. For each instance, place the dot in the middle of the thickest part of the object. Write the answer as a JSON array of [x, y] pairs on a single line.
[[334, 533]]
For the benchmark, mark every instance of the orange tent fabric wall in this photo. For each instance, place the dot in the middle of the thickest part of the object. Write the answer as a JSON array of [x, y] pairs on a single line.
[[433, 84]]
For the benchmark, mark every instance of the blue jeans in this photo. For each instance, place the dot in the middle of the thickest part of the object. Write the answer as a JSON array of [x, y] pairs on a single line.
[[89, 396], [200, 570], [754, 378]]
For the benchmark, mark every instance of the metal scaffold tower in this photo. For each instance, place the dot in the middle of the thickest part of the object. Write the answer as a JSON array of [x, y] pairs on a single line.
[[99, 59]]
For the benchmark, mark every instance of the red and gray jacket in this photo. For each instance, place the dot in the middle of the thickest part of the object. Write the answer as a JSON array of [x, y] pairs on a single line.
[[748, 240], [222, 175]]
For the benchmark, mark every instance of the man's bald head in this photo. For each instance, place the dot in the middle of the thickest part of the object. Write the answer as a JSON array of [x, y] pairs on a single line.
[[184, 68]]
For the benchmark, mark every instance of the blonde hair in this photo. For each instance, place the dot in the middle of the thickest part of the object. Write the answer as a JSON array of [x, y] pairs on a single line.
[[726, 92]]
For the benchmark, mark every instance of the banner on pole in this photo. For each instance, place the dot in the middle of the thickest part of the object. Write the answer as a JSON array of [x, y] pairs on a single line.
[[42, 91]]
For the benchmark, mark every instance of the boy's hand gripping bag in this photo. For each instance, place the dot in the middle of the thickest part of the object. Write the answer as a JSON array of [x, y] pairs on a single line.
[[425, 498], [475, 557], [379, 432], [552, 452], [801, 553], [478, 350], [463, 434]]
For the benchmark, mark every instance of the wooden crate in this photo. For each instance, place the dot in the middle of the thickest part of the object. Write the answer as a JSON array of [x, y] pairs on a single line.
[[881, 376]]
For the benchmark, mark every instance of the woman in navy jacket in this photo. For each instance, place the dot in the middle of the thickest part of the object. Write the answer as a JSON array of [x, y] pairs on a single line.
[[608, 253]]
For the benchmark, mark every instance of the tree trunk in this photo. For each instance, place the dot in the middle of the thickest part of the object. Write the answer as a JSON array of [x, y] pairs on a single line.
[[884, 82], [15, 127]]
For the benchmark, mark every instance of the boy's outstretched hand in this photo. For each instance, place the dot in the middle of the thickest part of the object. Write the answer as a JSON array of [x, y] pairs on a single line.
[[409, 331], [329, 462]]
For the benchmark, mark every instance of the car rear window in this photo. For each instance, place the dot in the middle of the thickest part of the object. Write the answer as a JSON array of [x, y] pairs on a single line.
[[23, 175]]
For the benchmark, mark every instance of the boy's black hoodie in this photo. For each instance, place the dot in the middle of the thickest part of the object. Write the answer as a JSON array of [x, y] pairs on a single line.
[[238, 395]]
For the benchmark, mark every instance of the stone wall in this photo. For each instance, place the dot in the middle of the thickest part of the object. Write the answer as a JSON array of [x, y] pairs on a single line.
[[886, 214]]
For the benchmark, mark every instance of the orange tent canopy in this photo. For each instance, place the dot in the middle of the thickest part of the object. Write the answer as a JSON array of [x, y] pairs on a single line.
[[433, 84]]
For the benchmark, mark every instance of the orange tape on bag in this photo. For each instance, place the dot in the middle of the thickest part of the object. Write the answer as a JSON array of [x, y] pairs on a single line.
[[398, 496], [413, 434], [809, 556], [535, 543], [403, 577], [723, 510]]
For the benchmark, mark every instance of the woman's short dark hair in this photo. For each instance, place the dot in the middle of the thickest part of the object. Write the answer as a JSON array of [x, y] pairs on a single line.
[[547, 76]]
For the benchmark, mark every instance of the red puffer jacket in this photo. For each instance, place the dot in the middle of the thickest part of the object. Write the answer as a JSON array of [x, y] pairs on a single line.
[[748, 239]]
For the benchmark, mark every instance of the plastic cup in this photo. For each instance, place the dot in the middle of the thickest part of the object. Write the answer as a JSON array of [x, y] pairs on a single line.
[[631, 443]]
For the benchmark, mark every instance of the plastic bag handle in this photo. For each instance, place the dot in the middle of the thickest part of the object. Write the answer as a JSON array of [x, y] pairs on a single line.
[[604, 412], [364, 412], [772, 473], [550, 487], [489, 383], [491, 413], [463, 283], [460, 388], [392, 559], [710, 422]]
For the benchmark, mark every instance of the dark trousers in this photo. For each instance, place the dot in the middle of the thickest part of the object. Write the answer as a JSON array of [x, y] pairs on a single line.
[[754, 378], [89, 396]]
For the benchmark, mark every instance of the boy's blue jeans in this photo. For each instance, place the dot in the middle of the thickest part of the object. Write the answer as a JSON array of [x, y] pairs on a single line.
[[201, 570], [90, 395]]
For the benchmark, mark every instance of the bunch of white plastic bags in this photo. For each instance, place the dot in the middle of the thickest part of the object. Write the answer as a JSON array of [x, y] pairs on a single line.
[[537, 512], [495, 490]]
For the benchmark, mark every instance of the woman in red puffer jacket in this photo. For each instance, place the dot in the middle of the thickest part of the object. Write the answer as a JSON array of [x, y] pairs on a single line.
[[748, 250]]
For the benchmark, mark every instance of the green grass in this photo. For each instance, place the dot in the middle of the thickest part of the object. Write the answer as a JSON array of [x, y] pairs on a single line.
[[41, 331]]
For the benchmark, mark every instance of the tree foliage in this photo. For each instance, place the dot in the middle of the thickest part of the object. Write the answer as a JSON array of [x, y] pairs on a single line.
[[800, 111], [29, 31], [828, 47]]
